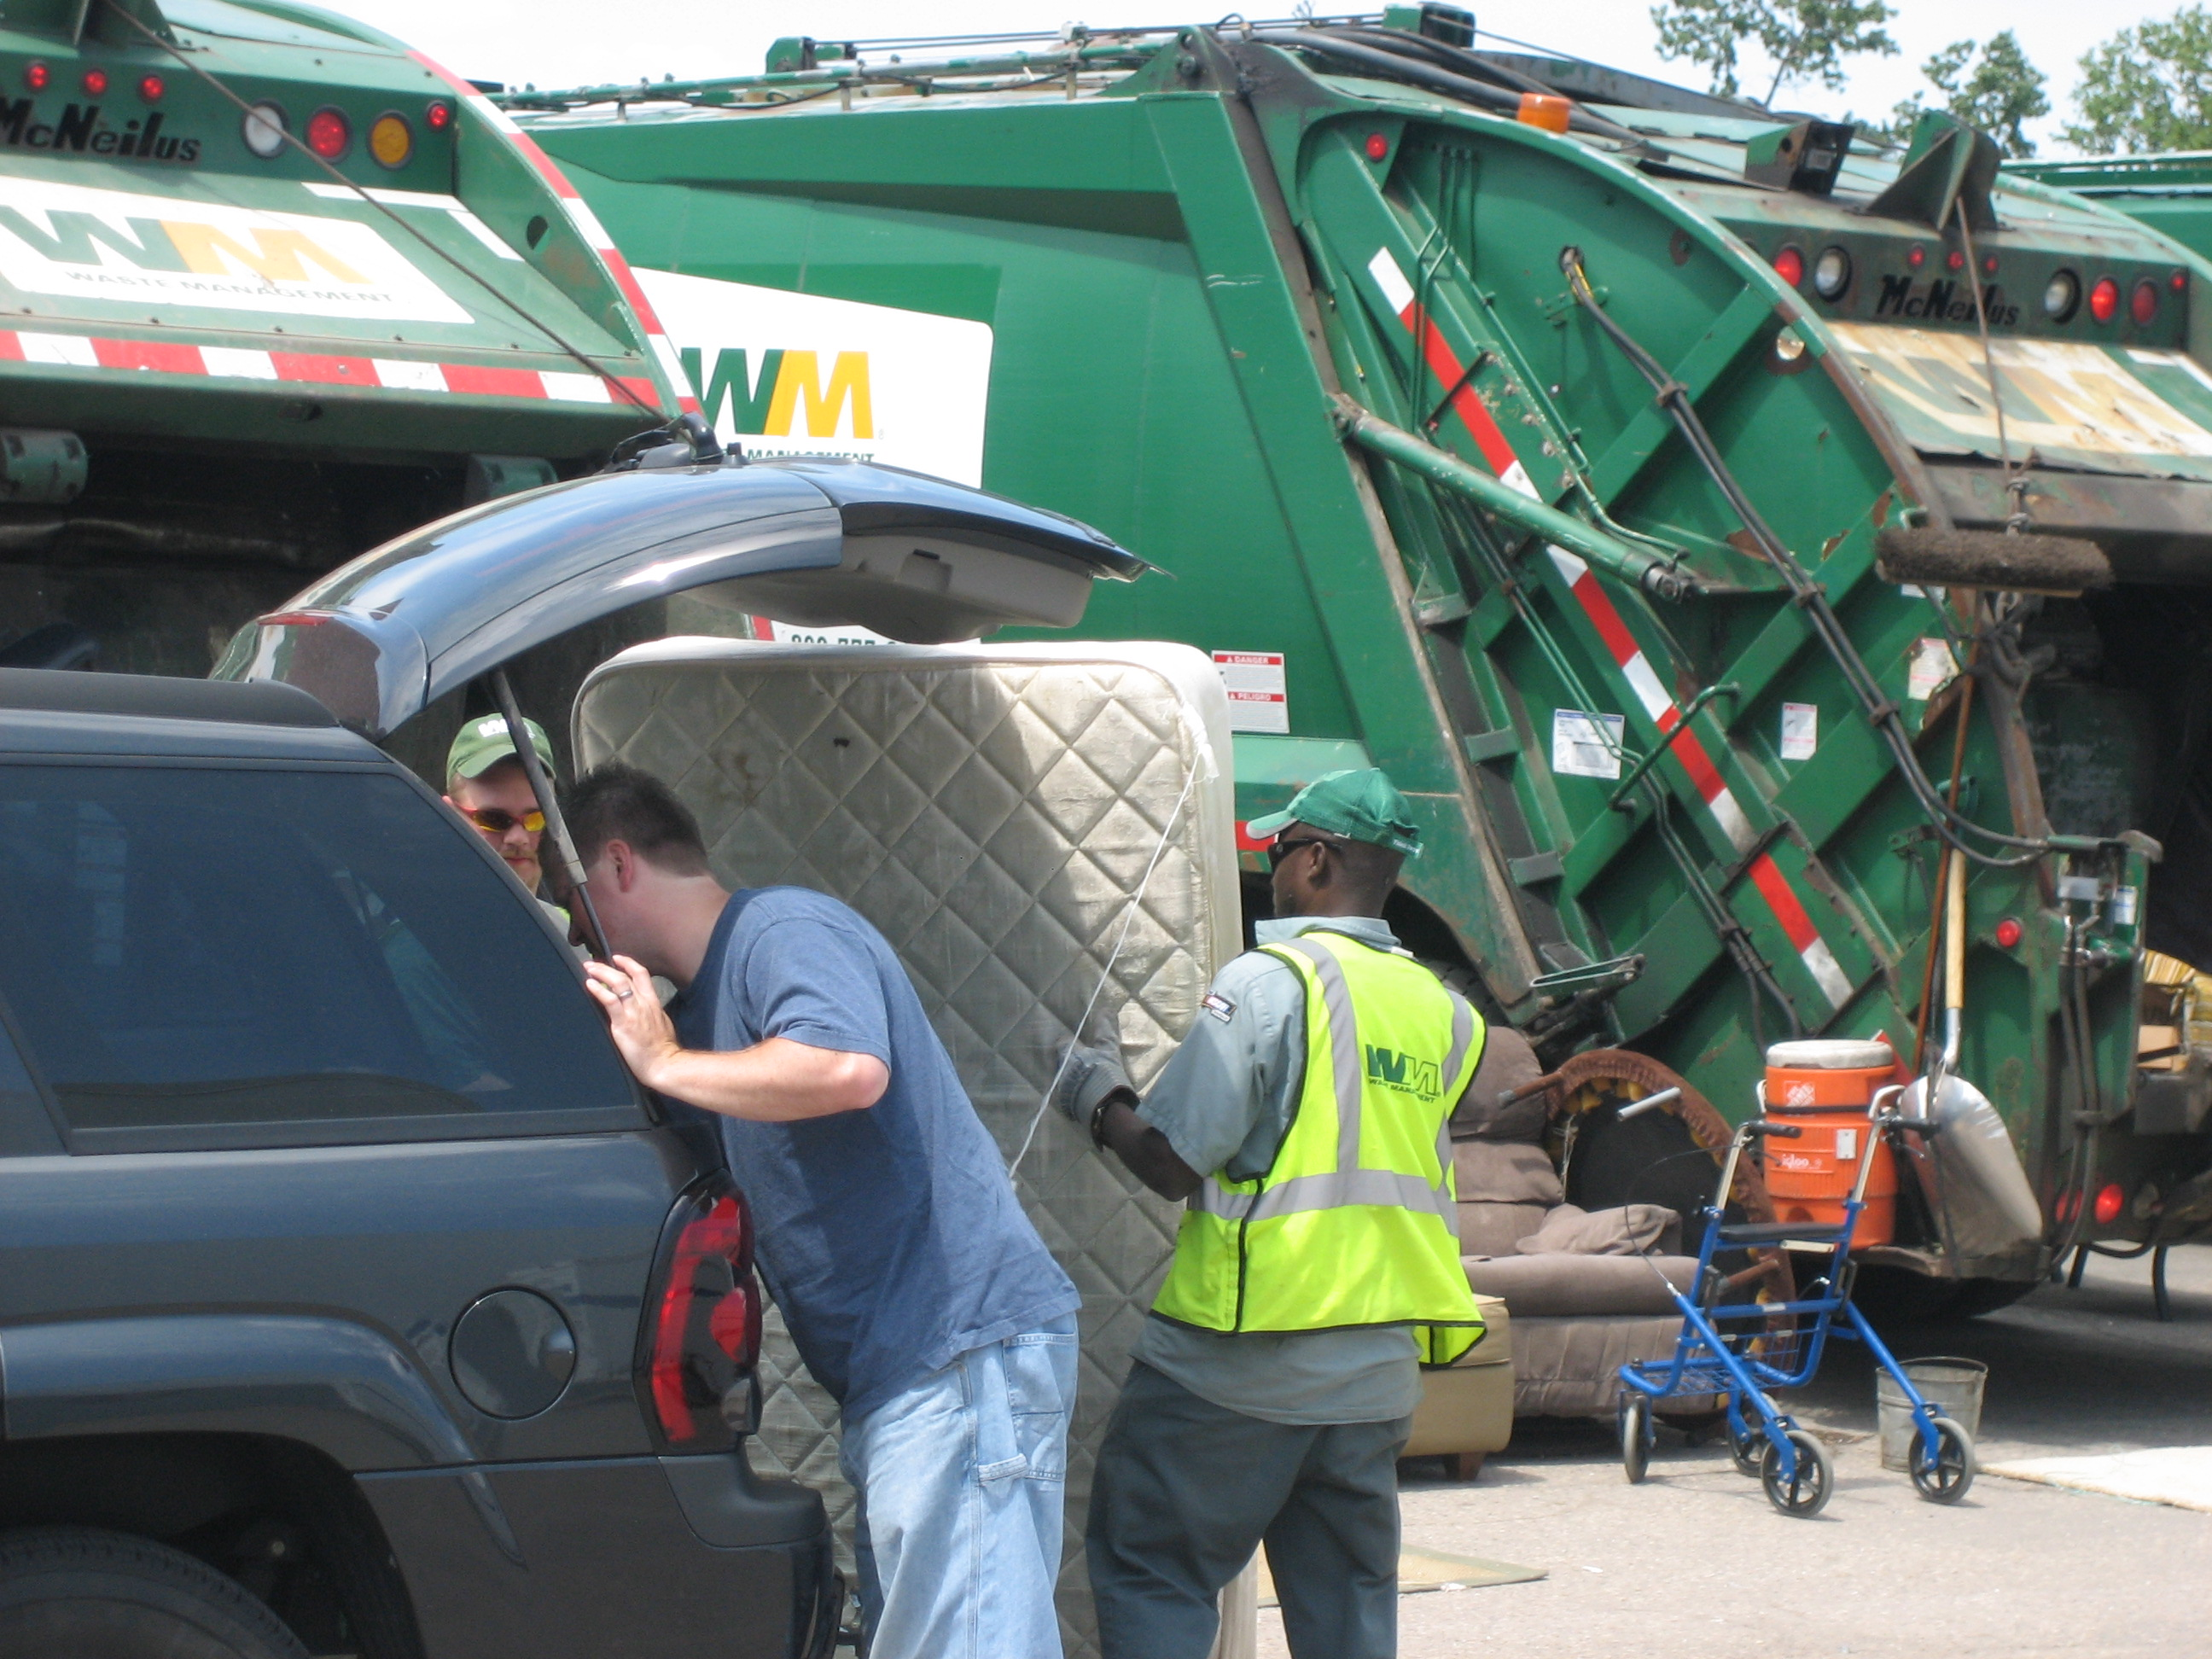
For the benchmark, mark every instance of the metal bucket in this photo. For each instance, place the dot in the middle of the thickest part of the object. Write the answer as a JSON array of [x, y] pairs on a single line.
[[1954, 1387]]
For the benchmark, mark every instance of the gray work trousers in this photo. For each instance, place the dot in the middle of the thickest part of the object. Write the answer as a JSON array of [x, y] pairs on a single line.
[[1186, 1490]]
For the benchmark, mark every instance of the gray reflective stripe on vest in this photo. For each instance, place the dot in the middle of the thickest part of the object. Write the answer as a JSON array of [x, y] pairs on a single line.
[[1333, 1190], [1343, 1045], [1462, 1038]]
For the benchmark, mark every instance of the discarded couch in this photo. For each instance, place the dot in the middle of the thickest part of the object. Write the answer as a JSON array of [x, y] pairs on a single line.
[[1575, 1221]]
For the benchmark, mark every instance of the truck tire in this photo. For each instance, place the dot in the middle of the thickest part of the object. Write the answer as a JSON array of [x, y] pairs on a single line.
[[78, 1593]]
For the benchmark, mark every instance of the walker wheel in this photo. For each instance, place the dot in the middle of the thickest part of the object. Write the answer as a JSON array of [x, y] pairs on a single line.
[[1806, 1492], [1944, 1476], [1635, 1417], [1748, 1450]]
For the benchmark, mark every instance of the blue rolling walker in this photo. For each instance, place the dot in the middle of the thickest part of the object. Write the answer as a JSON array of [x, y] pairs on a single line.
[[1743, 1350]]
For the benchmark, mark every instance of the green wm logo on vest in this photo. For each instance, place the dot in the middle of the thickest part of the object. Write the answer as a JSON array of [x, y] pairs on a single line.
[[1389, 1069]]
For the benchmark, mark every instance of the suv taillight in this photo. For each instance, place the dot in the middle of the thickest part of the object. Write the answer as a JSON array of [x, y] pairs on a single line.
[[702, 1328]]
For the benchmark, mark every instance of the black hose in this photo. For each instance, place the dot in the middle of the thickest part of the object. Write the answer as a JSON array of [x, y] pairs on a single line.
[[1403, 66], [1880, 712]]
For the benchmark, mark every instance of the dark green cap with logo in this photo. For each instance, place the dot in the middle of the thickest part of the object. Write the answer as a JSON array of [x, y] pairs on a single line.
[[1361, 805]]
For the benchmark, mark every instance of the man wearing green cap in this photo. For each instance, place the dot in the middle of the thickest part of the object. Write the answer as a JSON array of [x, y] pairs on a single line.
[[1317, 1264], [486, 785]]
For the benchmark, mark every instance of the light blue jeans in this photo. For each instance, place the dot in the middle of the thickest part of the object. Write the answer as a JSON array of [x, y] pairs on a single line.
[[961, 1479]]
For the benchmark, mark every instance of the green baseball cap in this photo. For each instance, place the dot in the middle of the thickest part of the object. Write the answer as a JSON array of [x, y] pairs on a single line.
[[482, 744], [1360, 805]]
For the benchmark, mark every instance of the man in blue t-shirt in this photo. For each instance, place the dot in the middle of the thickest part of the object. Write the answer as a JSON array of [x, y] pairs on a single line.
[[917, 1291]]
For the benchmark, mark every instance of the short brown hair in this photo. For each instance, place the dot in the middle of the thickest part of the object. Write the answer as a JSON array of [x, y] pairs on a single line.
[[621, 802]]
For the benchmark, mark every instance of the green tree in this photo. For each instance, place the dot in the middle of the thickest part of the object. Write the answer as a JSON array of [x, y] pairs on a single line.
[[1998, 93], [1804, 40], [2147, 87]]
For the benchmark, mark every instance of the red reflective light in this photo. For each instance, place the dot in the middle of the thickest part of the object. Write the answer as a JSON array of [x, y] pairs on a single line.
[[439, 116], [2110, 1201], [328, 134], [1378, 147], [707, 1323], [1915, 256], [2069, 1205], [2142, 304], [2178, 280], [95, 84], [2008, 933], [150, 87], [1954, 260], [1989, 265], [37, 77], [2104, 300], [1790, 266]]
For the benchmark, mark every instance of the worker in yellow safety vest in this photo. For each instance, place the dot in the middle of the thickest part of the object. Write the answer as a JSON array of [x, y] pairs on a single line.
[[1305, 1119]]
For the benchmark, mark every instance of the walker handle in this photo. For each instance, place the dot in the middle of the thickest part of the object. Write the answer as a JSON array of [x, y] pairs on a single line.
[[1759, 1126], [1924, 1126], [1665, 1097]]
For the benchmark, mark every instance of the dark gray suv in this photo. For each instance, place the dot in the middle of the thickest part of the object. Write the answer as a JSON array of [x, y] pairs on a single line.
[[351, 1299]]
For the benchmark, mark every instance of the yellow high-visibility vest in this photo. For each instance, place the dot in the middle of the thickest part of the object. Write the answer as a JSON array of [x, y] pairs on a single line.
[[1356, 1221]]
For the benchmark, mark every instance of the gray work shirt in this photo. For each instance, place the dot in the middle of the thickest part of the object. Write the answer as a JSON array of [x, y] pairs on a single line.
[[1225, 1103]]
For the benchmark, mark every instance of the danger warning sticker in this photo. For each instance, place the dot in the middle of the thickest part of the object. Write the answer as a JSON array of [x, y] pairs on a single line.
[[1259, 700]]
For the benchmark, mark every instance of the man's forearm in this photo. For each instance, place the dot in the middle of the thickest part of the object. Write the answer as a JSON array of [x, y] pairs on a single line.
[[1146, 1151], [777, 1081]]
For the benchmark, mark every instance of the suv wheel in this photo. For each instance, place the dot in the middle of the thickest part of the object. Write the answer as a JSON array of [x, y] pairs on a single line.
[[75, 1592]]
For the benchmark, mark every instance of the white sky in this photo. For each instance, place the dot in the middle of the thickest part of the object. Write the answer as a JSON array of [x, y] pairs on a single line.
[[570, 42]]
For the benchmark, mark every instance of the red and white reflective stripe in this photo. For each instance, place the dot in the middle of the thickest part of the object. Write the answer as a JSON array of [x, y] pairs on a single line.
[[1765, 875], [1660, 708], [311, 367], [1466, 402], [587, 225], [1812, 949]]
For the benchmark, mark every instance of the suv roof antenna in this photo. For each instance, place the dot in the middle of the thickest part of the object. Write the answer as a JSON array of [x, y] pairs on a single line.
[[557, 827]]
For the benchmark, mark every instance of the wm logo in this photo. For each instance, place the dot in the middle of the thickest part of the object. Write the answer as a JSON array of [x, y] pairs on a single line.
[[788, 385], [1389, 1069], [180, 245]]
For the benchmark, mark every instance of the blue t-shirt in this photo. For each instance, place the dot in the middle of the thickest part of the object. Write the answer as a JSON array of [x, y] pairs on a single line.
[[890, 1238]]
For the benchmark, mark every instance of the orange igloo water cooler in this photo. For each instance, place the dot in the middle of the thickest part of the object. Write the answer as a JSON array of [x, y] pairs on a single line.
[[1823, 1087]]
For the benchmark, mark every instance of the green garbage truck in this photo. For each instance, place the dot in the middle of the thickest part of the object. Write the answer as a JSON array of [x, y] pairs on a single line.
[[1776, 568], [276, 289], [2171, 191]]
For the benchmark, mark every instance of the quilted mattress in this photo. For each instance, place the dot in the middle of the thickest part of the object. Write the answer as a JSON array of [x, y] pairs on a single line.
[[1002, 814]]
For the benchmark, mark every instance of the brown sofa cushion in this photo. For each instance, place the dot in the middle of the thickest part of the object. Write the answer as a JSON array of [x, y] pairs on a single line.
[[1497, 1229], [1629, 1230], [1541, 1287], [1504, 1172], [1507, 1063], [1571, 1367]]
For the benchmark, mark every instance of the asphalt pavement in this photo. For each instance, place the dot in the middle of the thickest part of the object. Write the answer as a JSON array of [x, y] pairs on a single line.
[[1694, 1562]]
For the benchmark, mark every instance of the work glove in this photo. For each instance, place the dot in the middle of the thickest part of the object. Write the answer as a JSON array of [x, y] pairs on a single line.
[[1088, 1079]]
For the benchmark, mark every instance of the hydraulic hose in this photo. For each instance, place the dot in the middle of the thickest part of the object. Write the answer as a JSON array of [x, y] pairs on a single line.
[[1405, 66], [1881, 713]]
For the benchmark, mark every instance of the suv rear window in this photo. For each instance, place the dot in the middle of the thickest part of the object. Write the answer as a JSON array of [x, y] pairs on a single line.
[[201, 955]]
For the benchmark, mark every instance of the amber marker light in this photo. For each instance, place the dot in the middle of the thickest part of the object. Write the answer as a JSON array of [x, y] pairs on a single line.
[[391, 140]]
